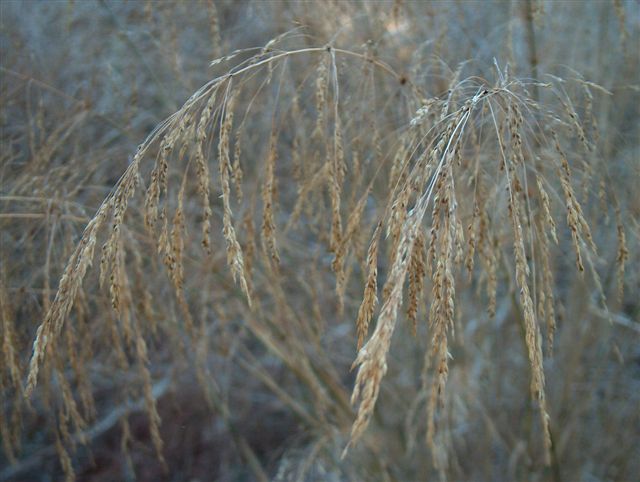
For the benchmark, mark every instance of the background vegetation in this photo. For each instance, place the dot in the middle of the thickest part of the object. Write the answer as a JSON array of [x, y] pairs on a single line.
[[194, 252]]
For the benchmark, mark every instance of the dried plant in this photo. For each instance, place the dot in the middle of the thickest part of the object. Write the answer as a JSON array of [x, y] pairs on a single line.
[[416, 199]]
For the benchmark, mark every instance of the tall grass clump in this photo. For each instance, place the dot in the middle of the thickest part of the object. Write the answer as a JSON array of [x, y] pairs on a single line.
[[457, 228]]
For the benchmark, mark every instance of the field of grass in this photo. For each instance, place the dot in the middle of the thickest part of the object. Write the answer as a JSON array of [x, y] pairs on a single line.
[[320, 241]]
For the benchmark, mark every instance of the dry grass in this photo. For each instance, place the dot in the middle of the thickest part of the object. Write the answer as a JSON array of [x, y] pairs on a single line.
[[437, 206]]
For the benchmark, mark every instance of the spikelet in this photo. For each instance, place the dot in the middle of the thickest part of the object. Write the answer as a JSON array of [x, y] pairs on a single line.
[[158, 184], [202, 168], [532, 332], [69, 286], [442, 304], [152, 197], [575, 219], [398, 164], [370, 297], [372, 357], [338, 262], [249, 245], [544, 197], [431, 261], [396, 222], [578, 128], [336, 161], [546, 299], [417, 271], [339, 164], [321, 95], [459, 242], [591, 122], [111, 260], [489, 255], [234, 250], [515, 124], [268, 230], [175, 257], [236, 168]]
